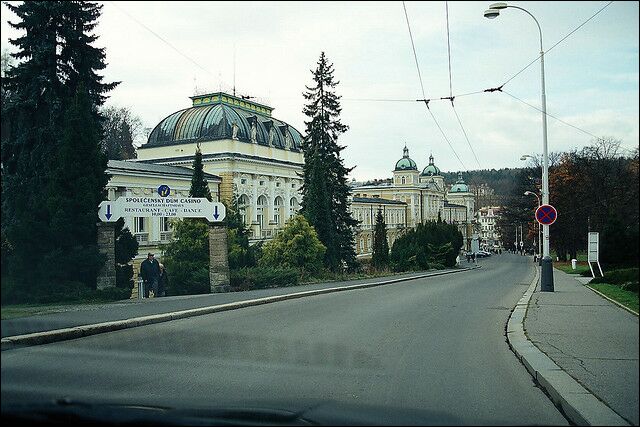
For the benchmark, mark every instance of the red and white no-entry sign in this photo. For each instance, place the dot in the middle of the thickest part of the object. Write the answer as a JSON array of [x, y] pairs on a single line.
[[546, 214]]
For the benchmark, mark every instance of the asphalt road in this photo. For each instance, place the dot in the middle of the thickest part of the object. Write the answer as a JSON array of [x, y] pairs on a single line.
[[434, 345]]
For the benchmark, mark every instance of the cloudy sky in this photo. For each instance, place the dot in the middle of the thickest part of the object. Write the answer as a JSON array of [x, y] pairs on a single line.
[[163, 52]]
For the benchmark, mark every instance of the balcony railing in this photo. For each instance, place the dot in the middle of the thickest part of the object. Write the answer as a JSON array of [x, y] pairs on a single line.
[[142, 238], [165, 236]]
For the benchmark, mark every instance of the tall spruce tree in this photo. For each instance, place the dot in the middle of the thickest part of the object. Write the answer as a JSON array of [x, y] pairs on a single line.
[[199, 186], [325, 191], [380, 256], [53, 86]]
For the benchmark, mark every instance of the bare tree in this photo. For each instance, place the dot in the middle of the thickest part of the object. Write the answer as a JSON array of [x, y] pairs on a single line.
[[121, 128]]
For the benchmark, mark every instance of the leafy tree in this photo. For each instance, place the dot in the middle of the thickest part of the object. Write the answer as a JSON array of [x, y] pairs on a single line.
[[325, 188], [241, 254], [518, 210], [295, 246], [380, 256], [120, 128], [186, 257], [430, 245]]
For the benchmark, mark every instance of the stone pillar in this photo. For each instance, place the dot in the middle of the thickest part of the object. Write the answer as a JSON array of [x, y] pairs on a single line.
[[218, 258], [107, 247]]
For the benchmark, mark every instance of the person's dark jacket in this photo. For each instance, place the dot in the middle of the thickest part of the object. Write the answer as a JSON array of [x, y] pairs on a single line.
[[150, 270]]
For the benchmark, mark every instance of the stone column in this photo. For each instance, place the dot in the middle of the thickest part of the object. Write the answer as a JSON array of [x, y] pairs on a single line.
[[107, 247], [218, 258]]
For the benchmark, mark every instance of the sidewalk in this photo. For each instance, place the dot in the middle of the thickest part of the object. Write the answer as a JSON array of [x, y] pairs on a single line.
[[591, 339]]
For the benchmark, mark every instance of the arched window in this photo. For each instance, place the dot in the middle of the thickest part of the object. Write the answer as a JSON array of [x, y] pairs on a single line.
[[404, 180], [262, 202], [277, 210], [243, 207]]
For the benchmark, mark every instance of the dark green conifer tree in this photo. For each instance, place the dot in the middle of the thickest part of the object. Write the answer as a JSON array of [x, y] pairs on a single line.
[[380, 256], [52, 87], [199, 185], [325, 189]]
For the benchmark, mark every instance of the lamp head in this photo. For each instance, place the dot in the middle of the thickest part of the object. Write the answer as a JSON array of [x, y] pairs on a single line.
[[498, 6], [527, 193], [491, 13], [524, 157]]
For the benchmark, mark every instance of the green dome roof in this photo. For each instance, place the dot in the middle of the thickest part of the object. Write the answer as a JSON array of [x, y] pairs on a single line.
[[222, 116], [431, 169], [460, 186], [405, 163]]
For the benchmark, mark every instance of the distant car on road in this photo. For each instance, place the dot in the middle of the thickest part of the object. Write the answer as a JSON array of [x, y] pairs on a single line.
[[483, 254]]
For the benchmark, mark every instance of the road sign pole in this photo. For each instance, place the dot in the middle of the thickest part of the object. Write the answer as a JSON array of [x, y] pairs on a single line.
[[546, 215]]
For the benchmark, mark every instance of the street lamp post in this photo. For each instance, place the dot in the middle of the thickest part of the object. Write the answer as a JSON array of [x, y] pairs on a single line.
[[529, 193], [546, 280]]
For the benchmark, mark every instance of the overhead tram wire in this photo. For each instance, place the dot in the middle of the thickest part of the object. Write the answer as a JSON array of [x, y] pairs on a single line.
[[557, 43], [415, 56], [451, 97], [161, 39], [549, 115]]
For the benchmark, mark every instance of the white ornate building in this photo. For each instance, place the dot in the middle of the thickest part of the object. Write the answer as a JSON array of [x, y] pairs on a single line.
[[257, 157], [425, 195], [488, 234], [251, 156]]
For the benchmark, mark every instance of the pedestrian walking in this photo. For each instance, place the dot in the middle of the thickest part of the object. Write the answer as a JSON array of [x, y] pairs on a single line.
[[163, 281], [150, 273], [473, 257]]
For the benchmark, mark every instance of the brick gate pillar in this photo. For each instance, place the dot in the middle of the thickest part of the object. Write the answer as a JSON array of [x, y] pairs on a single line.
[[107, 247], [218, 258]]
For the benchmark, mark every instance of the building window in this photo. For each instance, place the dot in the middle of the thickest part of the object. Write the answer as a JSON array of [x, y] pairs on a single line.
[[243, 181], [165, 226], [277, 184], [293, 186], [261, 182], [404, 181], [277, 207], [139, 225]]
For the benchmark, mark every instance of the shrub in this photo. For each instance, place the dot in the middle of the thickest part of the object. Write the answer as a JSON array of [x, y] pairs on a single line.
[[124, 276], [295, 246], [263, 277], [187, 258], [187, 278], [433, 243], [627, 278]]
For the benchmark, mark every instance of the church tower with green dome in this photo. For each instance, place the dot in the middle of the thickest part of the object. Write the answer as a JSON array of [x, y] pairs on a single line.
[[406, 170], [431, 175]]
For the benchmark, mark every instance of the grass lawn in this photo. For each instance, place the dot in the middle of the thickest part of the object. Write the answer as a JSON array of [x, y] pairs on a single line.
[[566, 267], [627, 298], [12, 311], [24, 310]]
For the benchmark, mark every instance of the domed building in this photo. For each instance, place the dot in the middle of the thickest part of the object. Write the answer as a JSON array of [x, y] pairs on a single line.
[[423, 195], [256, 156], [460, 203]]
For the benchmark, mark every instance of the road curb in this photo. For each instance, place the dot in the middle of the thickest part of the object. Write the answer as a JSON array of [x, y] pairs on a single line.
[[47, 337], [578, 404], [612, 300]]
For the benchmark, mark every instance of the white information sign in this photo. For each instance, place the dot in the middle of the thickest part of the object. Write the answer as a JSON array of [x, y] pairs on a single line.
[[593, 251], [593, 247], [172, 207]]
